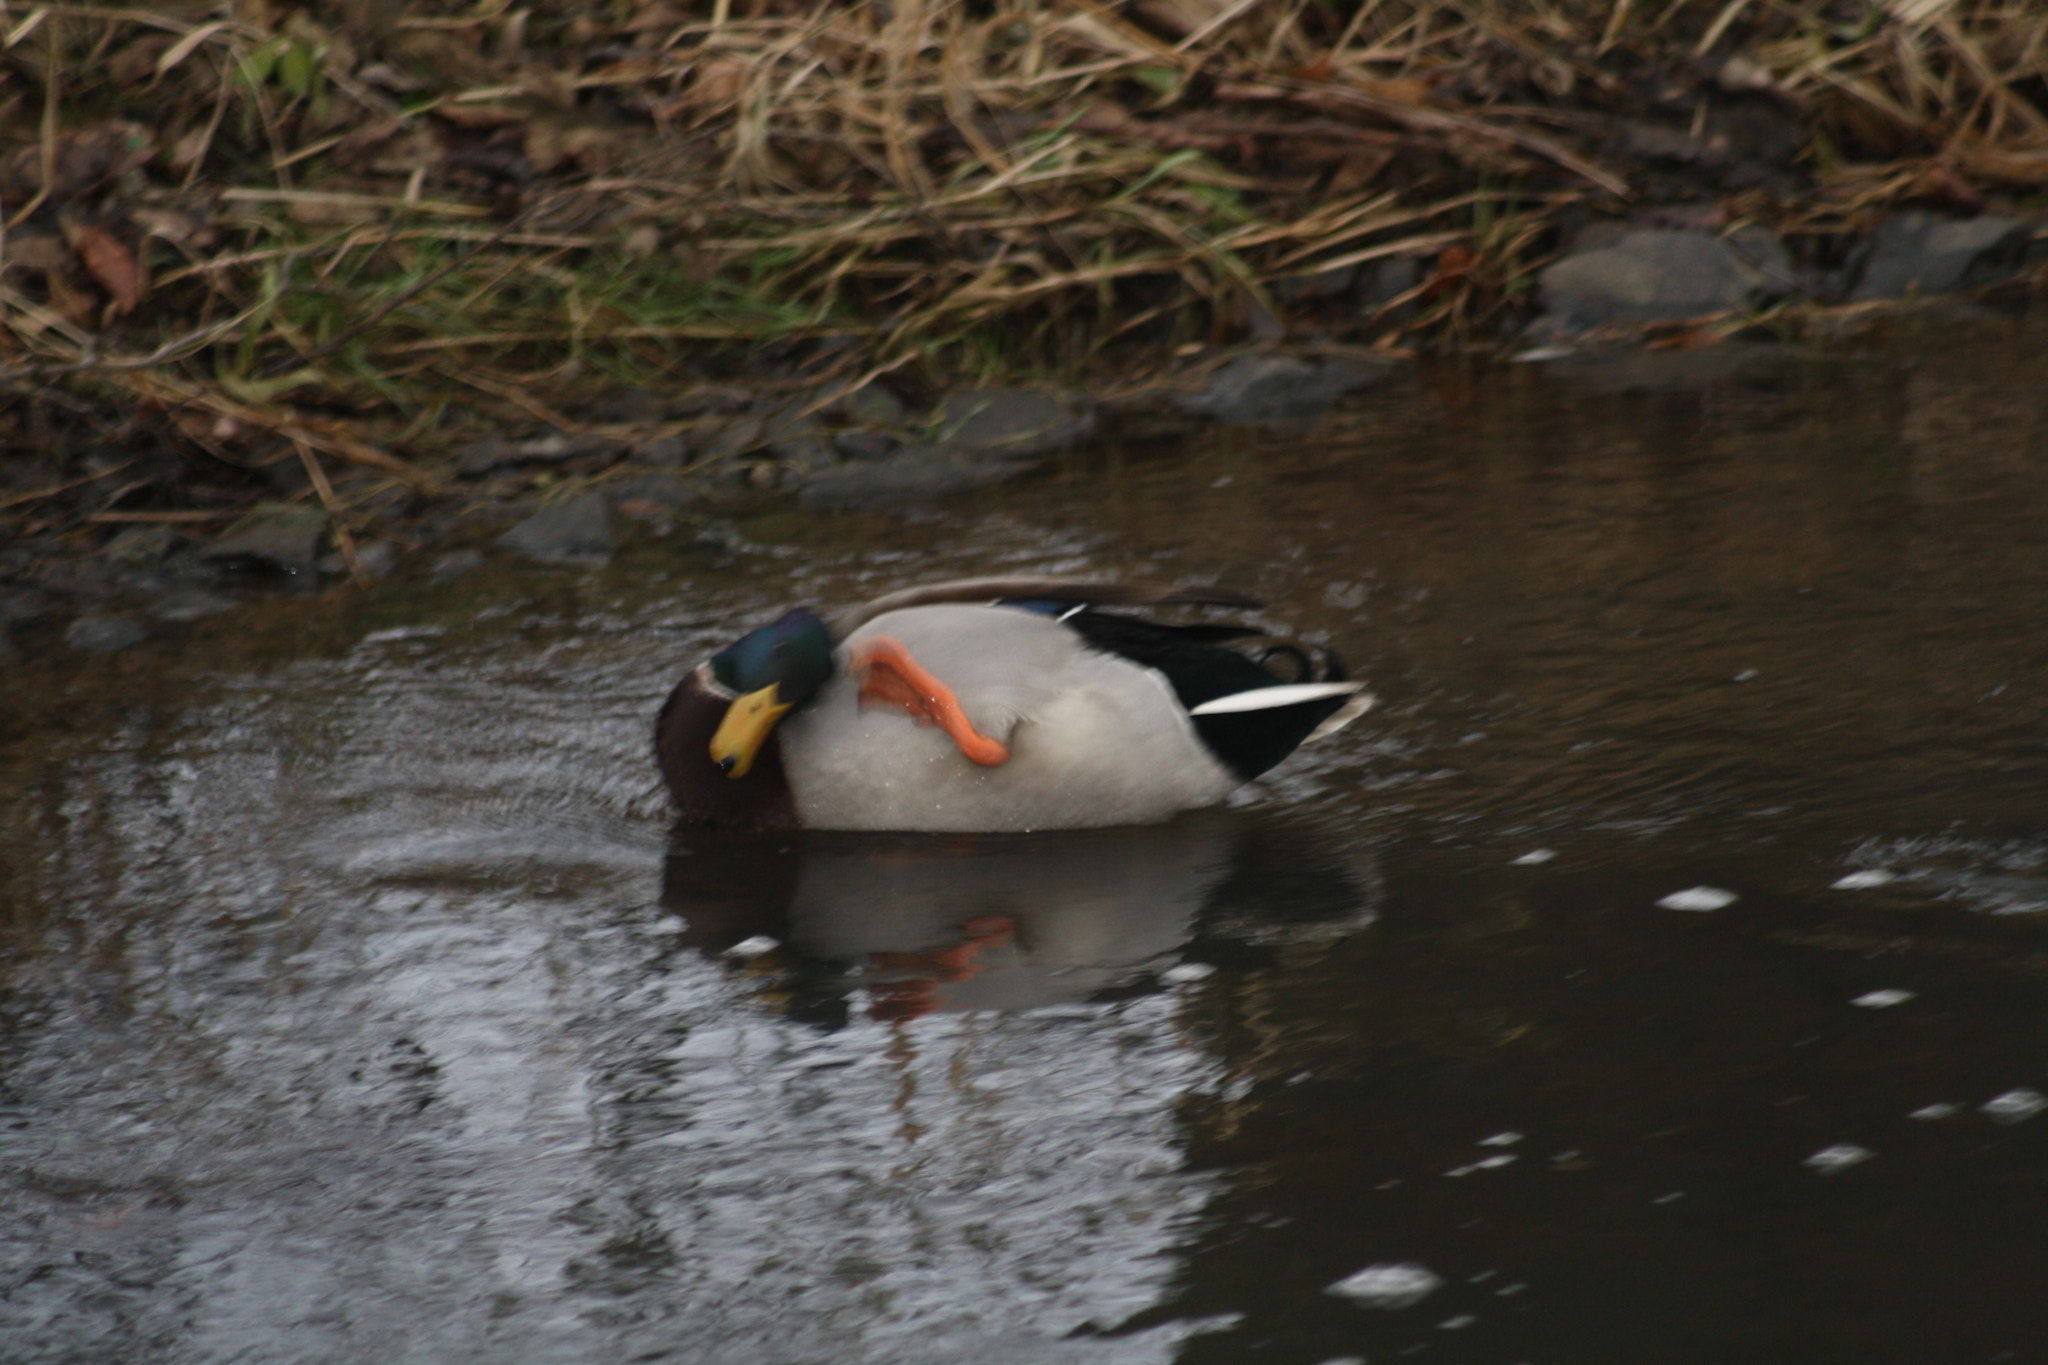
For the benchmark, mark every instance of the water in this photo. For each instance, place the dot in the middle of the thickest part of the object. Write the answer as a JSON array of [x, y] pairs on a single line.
[[361, 1005]]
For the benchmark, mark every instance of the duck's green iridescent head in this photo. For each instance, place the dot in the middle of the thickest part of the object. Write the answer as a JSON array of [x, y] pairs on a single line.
[[770, 672]]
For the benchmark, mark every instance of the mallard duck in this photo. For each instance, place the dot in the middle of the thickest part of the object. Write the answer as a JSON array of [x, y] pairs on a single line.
[[989, 704]]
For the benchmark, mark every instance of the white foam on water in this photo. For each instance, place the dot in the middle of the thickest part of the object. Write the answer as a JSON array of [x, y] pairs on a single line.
[[1698, 898], [1840, 1157], [2015, 1106], [1882, 999], [1388, 1284]]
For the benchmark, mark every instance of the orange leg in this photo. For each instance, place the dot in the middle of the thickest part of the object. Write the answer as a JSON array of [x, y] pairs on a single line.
[[889, 676], [912, 997]]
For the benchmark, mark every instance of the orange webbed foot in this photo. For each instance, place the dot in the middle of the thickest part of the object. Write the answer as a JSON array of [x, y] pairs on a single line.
[[889, 676]]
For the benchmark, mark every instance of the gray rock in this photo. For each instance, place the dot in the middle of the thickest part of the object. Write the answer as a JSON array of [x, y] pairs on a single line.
[[26, 604], [105, 634], [1658, 275], [864, 445], [1755, 365], [378, 497], [491, 452], [1323, 284], [286, 476], [374, 559], [1389, 278], [281, 536], [484, 454], [1921, 253], [631, 405], [795, 438], [454, 564], [871, 405], [188, 604], [1010, 424], [709, 398], [666, 451], [734, 439], [912, 474], [141, 545], [1275, 390], [577, 532], [187, 566], [665, 490], [594, 445]]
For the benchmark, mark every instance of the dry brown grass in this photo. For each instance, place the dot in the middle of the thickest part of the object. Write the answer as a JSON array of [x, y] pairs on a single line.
[[304, 230]]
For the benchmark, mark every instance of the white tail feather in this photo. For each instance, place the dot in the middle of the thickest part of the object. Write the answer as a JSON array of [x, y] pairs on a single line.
[[1284, 694]]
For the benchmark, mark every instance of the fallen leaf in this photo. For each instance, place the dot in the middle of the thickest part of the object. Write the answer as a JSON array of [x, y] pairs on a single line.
[[1399, 89], [1947, 185], [1453, 268], [109, 261], [1360, 169]]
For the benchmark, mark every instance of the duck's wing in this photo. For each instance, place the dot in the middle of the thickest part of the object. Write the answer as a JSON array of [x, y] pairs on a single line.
[[1073, 592], [1249, 716]]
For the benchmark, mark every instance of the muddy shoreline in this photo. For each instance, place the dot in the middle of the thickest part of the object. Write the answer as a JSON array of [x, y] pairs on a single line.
[[337, 296], [697, 463]]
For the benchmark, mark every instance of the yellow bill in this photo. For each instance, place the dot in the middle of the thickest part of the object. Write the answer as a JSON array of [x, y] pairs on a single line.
[[745, 729]]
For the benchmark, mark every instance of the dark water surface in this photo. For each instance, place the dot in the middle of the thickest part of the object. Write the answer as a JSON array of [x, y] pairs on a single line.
[[360, 1004]]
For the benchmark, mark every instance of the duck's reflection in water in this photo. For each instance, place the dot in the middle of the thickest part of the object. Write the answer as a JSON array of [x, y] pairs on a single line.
[[914, 923]]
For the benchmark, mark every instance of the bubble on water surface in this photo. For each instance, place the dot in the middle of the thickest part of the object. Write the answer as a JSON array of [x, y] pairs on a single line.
[[1882, 1000], [1929, 1112], [1698, 898], [753, 947], [395, 633], [1535, 857], [1507, 1139], [1389, 1284], [2016, 1106], [1863, 881], [1839, 1157], [1187, 972]]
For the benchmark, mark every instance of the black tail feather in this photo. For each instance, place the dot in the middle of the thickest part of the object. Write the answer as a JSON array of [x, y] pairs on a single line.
[[1200, 670]]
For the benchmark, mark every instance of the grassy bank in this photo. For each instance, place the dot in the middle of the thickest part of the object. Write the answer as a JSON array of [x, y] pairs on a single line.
[[356, 234]]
